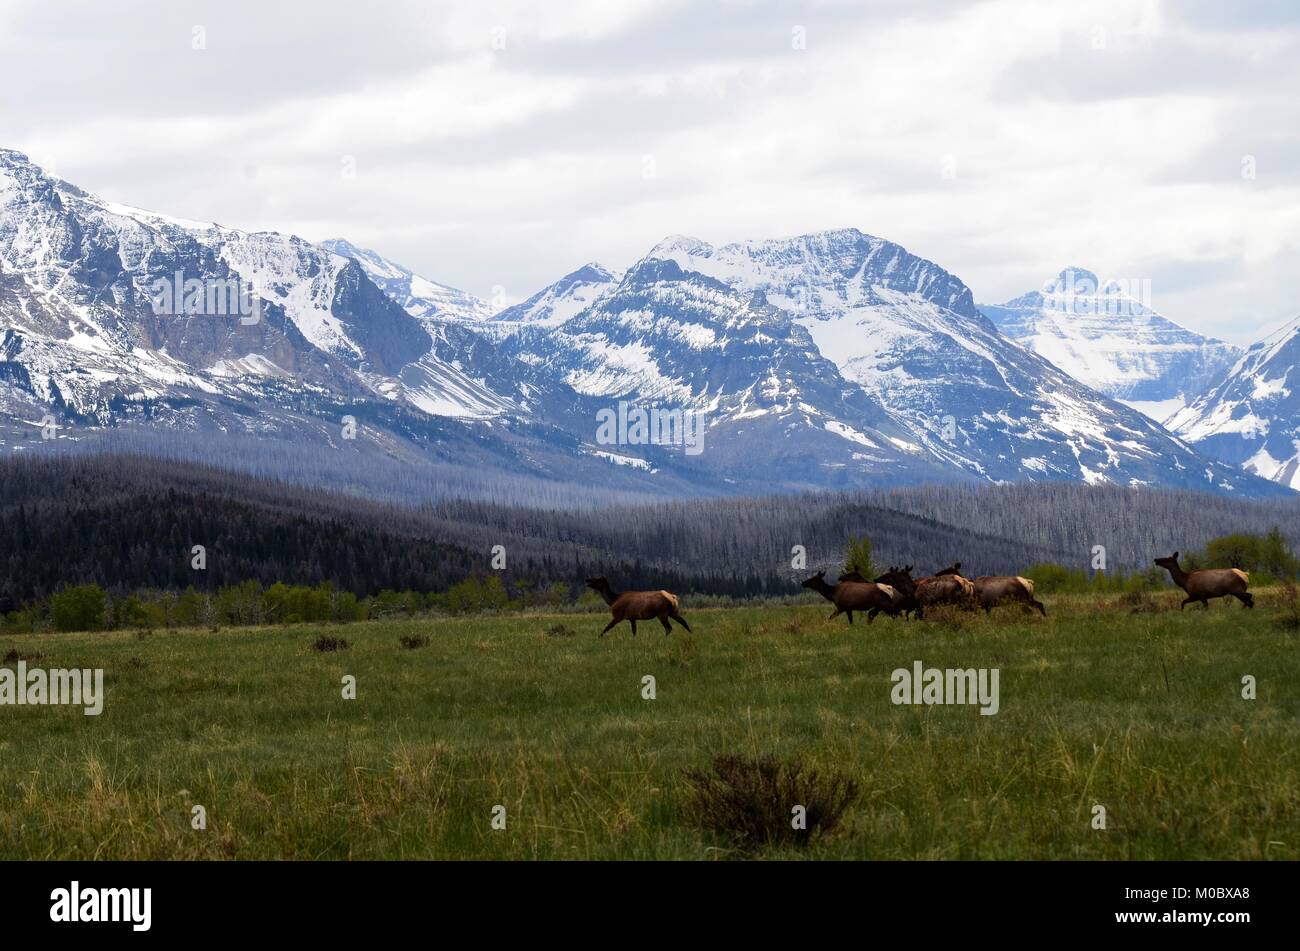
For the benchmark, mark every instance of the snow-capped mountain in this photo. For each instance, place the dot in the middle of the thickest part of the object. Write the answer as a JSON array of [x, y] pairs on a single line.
[[419, 296], [1251, 417], [830, 360], [84, 331], [1103, 334], [908, 334], [556, 303], [667, 337]]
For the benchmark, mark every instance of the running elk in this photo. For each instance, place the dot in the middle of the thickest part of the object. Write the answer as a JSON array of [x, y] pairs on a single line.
[[1208, 583], [946, 587], [992, 590], [850, 596], [900, 579], [633, 606]]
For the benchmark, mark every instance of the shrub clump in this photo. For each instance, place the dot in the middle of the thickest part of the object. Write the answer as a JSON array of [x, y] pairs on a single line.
[[414, 641], [559, 630], [1288, 618], [1139, 602], [753, 801], [326, 644]]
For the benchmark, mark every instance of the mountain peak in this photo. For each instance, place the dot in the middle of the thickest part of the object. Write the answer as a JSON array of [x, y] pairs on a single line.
[[592, 271], [1108, 336], [1073, 277], [419, 296], [557, 303], [676, 244]]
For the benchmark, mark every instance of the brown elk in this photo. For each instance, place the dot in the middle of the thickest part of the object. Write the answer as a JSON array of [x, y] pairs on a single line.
[[1208, 583], [900, 579], [850, 596], [633, 606], [946, 587], [992, 590]]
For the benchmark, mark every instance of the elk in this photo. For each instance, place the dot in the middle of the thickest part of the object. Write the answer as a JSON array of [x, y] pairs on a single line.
[[633, 606], [946, 587], [991, 590], [900, 579], [850, 596], [1208, 583]]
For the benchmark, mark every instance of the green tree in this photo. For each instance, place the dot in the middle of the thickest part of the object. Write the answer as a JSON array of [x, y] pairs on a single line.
[[495, 596], [859, 557], [79, 608], [1276, 557], [557, 594], [1233, 551]]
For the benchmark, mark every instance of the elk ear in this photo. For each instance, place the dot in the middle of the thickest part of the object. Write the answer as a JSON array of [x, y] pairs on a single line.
[[1175, 555]]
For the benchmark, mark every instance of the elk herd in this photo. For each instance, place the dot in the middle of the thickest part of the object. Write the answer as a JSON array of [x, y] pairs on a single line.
[[896, 593]]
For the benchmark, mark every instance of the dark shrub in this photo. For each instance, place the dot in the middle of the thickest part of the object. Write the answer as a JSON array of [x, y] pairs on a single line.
[[326, 644], [752, 800], [414, 642], [79, 608], [559, 630]]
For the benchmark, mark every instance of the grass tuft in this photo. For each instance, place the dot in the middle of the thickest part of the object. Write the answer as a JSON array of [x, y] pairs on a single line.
[[756, 802], [325, 644]]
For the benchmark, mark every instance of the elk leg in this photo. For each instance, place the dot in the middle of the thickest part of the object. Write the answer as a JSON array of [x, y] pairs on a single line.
[[834, 614], [668, 628], [1186, 601], [681, 620], [632, 621], [1039, 605], [1246, 598], [871, 615], [850, 614], [608, 626], [1205, 604]]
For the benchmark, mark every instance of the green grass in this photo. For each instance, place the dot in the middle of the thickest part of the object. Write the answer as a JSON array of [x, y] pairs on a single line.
[[1140, 712]]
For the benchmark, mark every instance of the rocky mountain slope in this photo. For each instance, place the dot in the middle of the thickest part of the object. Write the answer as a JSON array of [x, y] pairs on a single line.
[[1102, 334], [829, 360], [1251, 417]]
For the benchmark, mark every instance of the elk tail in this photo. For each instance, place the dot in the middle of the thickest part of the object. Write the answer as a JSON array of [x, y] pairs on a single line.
[[672, 598], [1243, 575]]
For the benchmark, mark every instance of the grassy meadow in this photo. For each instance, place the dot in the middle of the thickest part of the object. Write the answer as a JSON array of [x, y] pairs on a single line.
[[1128, 704]]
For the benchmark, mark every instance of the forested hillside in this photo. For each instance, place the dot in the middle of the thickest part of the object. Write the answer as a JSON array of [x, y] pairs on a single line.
[[126, 522]]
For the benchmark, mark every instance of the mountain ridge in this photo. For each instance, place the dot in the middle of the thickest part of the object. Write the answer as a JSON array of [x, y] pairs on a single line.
[[830, 360]]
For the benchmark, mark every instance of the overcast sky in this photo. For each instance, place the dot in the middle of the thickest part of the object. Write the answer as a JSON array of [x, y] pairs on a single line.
[[504, 144]]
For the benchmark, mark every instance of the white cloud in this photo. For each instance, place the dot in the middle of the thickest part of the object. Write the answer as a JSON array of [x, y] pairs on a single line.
[[1106, 133]]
